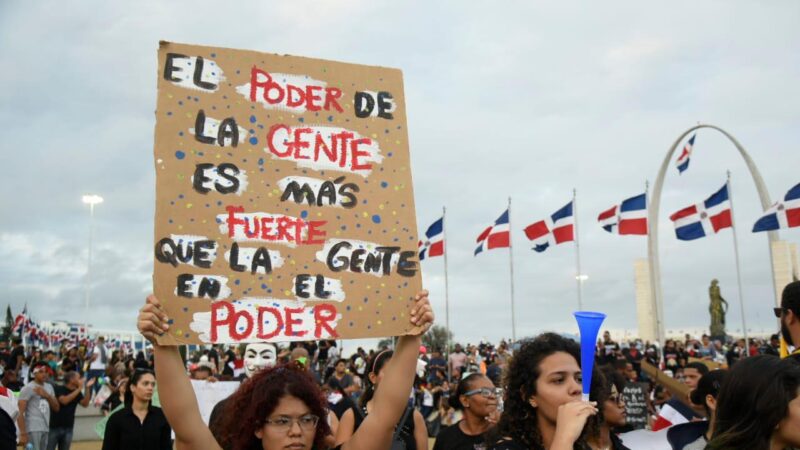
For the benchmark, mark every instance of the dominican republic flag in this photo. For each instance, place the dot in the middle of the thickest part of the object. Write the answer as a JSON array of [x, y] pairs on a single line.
[[433, 244], [672, 413], [20, 321], [682, 163], [559, 228], [496, 236], [783, 214], [705, 218], [629, 217]]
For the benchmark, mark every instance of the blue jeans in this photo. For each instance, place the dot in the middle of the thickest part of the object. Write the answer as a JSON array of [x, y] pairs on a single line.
[[95, 373], [61, 436]]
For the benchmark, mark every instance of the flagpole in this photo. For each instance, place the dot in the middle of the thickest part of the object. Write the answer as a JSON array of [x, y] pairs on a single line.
[[446, 293], [579, 275], [738, 270], [511, 266]]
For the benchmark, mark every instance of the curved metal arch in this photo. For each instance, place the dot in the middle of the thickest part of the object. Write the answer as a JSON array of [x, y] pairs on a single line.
[[652, 219]]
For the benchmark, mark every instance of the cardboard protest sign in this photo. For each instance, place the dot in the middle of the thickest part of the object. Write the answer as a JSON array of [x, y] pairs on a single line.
[[635, 396], [284, 200]]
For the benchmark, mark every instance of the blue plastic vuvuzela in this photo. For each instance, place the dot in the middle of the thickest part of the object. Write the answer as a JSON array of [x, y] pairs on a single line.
[[589, 326]]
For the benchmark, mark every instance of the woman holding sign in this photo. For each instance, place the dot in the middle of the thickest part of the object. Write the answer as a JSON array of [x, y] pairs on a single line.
[[543, 407], [280, 407]]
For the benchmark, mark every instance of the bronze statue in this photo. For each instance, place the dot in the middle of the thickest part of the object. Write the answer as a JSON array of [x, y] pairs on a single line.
[[717, 308]]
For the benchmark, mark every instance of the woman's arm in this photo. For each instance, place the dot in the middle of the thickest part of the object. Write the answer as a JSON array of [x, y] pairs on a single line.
[[346, 424], [420, 431], [391, 396], [174, 388]]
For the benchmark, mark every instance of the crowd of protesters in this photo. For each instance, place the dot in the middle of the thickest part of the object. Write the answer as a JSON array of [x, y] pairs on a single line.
[[518, 395]]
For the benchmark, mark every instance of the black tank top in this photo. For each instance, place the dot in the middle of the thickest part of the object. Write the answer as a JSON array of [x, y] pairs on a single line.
[[406, 429]]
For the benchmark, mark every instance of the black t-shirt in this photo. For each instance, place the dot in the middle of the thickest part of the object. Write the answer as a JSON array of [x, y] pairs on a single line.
[[228, 369], [124, 431], [65, 416], [453, 438], [12, 359]]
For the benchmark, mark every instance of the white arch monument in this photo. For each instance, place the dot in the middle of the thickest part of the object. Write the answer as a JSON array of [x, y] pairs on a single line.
[[652, 221]]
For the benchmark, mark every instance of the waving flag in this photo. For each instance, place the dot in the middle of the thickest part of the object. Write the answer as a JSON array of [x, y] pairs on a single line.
[[496, 236], [20, 321], [783, 214], [559, 228], [705, 218], [682, 163], [433, 245], [629, 217]]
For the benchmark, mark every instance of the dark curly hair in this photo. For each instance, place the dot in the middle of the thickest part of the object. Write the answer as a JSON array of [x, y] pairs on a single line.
[[518, 421], [251, 404], [603, 378]]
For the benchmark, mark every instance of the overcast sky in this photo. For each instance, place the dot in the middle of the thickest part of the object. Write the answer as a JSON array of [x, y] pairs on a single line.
[[527, 99]]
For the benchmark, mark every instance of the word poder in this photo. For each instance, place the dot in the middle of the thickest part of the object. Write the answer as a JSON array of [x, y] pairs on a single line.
[[284, 200]]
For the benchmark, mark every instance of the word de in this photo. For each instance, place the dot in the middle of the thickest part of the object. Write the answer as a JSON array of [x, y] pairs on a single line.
[[197, 78], [203, 183], [312, 97], [378, 260], [327, 191], [296, 143], [264, 322], [269, 227], [366, 101]]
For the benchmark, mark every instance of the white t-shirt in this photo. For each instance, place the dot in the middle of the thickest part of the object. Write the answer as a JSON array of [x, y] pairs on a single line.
[[98, 364]]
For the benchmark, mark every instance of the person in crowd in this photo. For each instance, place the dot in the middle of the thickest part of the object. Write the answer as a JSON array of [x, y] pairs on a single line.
[[476, 396], [139, 425], [72, 361], [543, 408], [98, 361], [692, 374], [117, 396], [281, 407], [789, 315], [202, 372], [773, 347], [342, 378], [75, 391], [696, 434], [17, 355], [10, 380], [339, 400], [457, 361], [9, 410], [606, 390], [36, 400], [758, 407], [411, 430]]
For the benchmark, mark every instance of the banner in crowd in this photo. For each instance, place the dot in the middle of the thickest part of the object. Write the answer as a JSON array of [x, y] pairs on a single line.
[[284, 199]]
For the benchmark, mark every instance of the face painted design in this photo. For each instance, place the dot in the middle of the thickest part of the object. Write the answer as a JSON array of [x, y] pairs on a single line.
[[259, 356]]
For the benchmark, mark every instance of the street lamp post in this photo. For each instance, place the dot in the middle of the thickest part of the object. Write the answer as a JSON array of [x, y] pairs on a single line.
[[90, 200]]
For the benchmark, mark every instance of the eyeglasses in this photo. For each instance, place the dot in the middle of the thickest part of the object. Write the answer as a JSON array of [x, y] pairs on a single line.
[[618, 399], [778, 312], [486, 392], [283, 424]]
